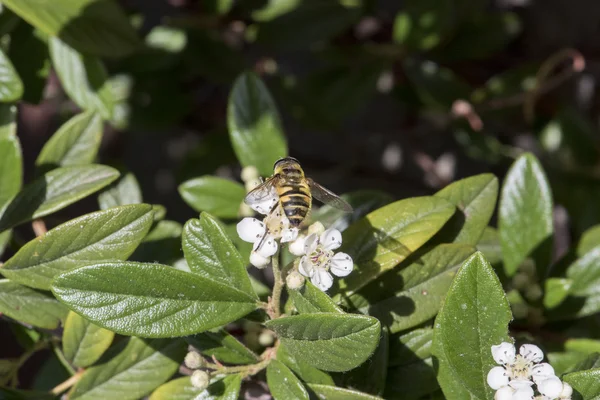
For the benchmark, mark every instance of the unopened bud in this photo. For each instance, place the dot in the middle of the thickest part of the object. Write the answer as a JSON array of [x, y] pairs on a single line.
[[193, 360], [250, 174], [266, 338], [294, 280], [259, 261], [317, 228], [200, 379], [245, 210], [567, 391]]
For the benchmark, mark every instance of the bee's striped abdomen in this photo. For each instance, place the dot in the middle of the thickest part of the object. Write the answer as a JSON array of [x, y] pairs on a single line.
[[296, 201]]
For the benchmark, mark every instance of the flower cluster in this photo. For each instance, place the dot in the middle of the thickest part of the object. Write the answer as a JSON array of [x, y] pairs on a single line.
[[518, 373], [318, 260]]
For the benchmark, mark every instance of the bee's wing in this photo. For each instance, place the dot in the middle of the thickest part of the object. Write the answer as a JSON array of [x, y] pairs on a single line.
[[261, 192], [328, 197]]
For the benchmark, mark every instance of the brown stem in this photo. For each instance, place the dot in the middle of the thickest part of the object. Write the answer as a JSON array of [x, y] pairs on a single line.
[[68, 383]]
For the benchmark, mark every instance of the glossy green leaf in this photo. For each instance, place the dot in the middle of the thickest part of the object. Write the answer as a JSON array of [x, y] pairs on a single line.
[[218, 196], [437, 87], [304, 370], [332, 342], [11, 86], [410, 347], [222, 346], [83, 342], [93, 26], [489, 245], [385, 237], [75, 143], [177, 389], [283, 384], [475, 316], [162, 244], [475, 197], [100, 236], [585, 383], [589, 239], [225, 389], [54, 191], [326, 392], [409, 296], [11, 164], [309, 299], [5, 238], [425, 24], [555, 291], [254, 125], [126, 190], [210, 253], [83, 78], [412, 381], [371, 375], [525, 215], [144, 364], [154, 300], [30, 306]]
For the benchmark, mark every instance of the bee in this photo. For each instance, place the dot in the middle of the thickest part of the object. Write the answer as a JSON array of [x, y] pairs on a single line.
[[294, 191]]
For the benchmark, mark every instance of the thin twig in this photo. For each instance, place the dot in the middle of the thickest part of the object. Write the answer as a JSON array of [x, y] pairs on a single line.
[[68, 383], [274, 300], [39, 227]]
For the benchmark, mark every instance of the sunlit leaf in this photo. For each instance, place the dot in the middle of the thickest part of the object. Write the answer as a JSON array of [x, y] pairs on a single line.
[[283, 384], [83, 342], [220, 197], [222, 346]]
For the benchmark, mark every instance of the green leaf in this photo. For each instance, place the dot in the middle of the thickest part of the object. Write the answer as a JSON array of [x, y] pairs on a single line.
[[326, 392], [410, 347], [332, 342], [83, 78], [124, 191], [218, 196], [423, 25], [489, 245], [385, 237], [283, 384], [11, 86], [154, 300], [585, 383], [75, 143], [437, 87], [309, 299], [11, 164], [54, 191], [475, 316], [100, 236], [225, 389], [144, 364], [222, 346], [177, 389], [589, 240], [93, 26], [83, 342], [210, 253], [407, 297], [525, 215], [555, 291], [411, 381], [30, 306], [16, 394], [254, 125], [475, 197], [274, 9], [162, 244], [304, 370]]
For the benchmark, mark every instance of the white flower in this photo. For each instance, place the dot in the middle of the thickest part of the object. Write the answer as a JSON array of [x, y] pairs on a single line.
[[504, 353], [531, 352], [551, 387], [541, 371], [497, 378], [319, 259], [567, 391]]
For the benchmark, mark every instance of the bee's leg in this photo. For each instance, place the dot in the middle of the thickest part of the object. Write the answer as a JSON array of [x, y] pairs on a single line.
[[262, 240]]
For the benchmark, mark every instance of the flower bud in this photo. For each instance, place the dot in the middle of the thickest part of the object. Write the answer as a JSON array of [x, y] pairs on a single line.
[[317, 228], [297, 246], [567, 391], [259, 261], [245, 210], [250, 174], [266, 338], [193, 360], [294, 280], [200, 379]]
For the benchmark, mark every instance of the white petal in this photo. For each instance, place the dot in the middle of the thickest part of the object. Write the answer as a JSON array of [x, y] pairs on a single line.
[[268, 247], [305, 267], [504, 353], [297, 246], [551, 387], [532, 353], [289, 235], [259, 261], [311, 243], [567, 391], [519, 384], [341, 264], [497, 378], [322, 279], [541, 371], [250, 229], [331, 239], [523, 394], [504, 393]]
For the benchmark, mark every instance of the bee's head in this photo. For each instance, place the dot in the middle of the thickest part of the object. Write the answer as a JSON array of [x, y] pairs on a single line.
[[286, 164]]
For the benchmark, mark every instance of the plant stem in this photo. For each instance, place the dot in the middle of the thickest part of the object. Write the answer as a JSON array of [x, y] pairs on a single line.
[[277, 288], [61, 357], [67, 384], [246, 370]]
